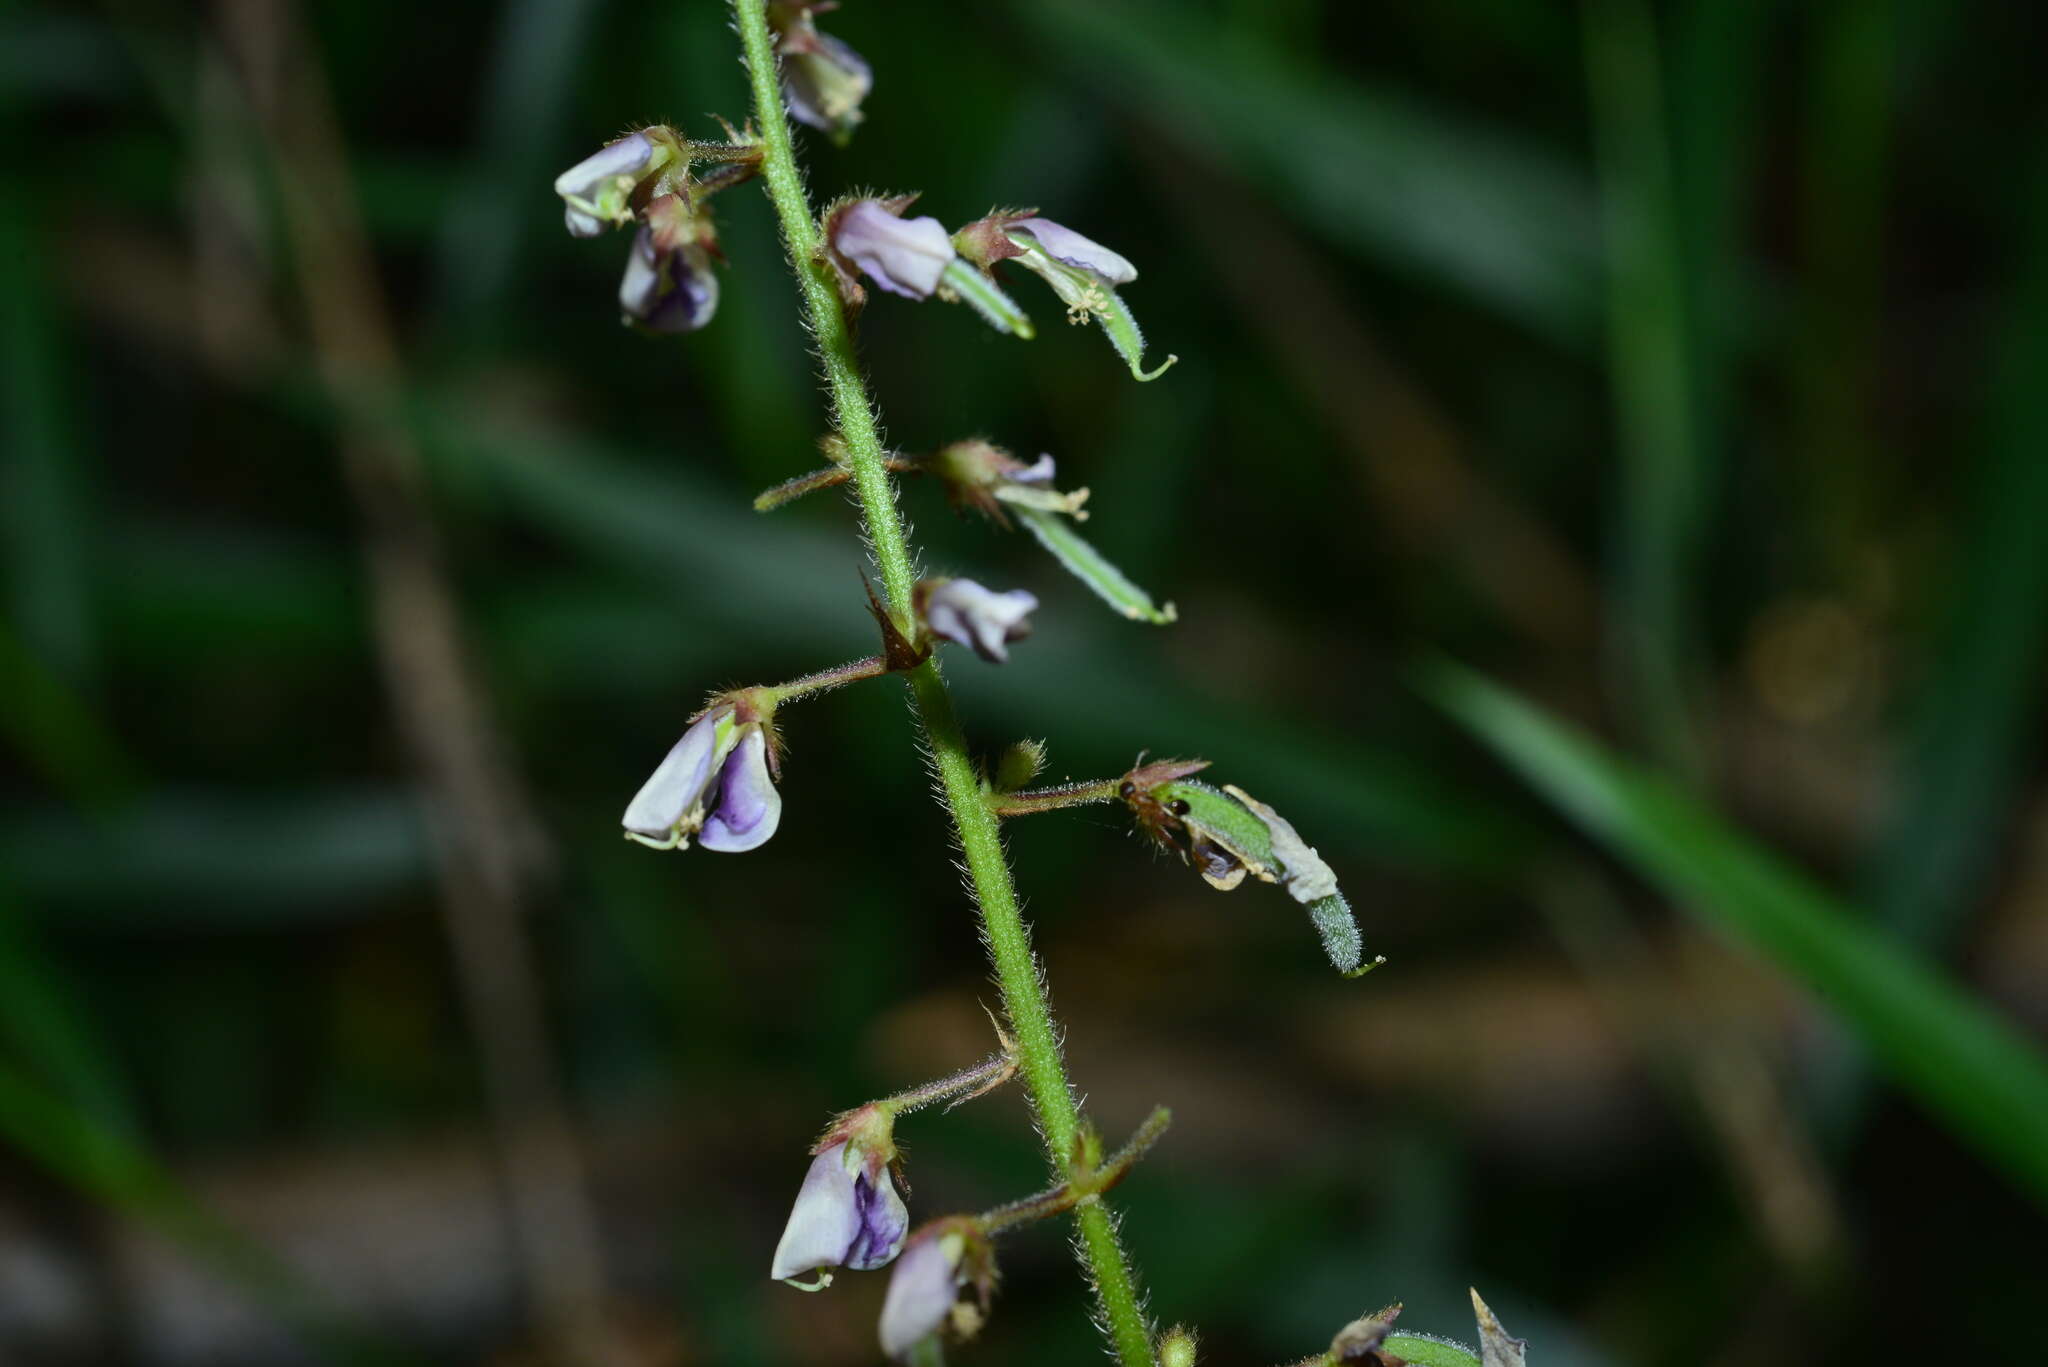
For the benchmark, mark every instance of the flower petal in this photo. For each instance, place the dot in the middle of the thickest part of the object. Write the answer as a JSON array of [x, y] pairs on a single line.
[[1083, 253], [823, 1223], [628, 156], [673, 291], [748, 808], [904, 256], [884, 1221], [677, 784], [920, 1296], [964, 612]]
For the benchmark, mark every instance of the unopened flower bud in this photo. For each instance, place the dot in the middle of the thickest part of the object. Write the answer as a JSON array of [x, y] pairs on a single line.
[[714, 784], [964, 612], [924, 1291], [823, 80], [904, 256], [847, 1213]]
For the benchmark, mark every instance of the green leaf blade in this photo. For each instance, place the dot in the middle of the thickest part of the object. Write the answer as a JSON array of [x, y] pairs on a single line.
[[1968, 1066]]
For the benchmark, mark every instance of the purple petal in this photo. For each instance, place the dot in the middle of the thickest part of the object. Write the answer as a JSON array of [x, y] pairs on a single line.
[[628, 156], [581, 224], [824, 1222], [673, 291], [964, 612], [883, 1222], [748, 808], [677, 783], [904, 256], [919, 1298], [1039, 471], [1083, 253]]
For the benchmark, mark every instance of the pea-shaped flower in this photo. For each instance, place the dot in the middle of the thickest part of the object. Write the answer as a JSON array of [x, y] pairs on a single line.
[[964, 612], [715, 784], [1082, 272], [923, 1299], [905, 256], [669, 285], [1074, 251], [847, 1214], [823, 80], [597, 192]]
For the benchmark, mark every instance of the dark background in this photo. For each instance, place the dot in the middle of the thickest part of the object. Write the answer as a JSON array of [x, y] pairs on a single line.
[[1682, 366]]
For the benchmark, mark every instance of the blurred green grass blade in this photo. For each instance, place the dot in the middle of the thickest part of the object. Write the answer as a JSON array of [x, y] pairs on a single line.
[[1088, 565], [1981, 707], [47, 1031], [534, 56], [113, 1172], [45, 721], [1662, 480], [43, 506], [1499, 219], [199, 858], [1970, 1068], [1978, 716]]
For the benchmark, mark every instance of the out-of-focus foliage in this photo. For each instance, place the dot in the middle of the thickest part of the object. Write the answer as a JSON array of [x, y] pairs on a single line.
[[1678, 365]]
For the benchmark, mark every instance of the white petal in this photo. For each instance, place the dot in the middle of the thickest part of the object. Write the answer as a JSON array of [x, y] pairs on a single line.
[[920, 1296], [1083, 253], [824, 1221], [678, 784]]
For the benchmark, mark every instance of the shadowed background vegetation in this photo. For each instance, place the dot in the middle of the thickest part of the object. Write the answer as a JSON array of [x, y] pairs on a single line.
[[1679, 368]]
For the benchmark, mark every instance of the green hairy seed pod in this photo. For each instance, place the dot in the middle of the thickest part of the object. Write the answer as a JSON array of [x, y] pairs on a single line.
[[1227, 834]]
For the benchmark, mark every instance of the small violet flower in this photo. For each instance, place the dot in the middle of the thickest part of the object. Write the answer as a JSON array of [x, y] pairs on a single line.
[[980, 475], [1082, 253], [964, 612], [823, 80], [924, 1291], [847, 1213], [597, 192], [715, 784], [669, 285], [905, 256], [1082, 272]]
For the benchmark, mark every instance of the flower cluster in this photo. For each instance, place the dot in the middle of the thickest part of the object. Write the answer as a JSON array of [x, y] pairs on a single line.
[[917, 258], [644, 181]]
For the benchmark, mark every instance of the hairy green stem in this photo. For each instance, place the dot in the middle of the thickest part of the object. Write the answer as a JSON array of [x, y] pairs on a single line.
[[1038, 1046], [1027, 801]]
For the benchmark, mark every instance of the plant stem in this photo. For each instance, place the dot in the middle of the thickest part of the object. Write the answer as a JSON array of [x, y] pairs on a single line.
[[988, 870], [869, 667], [1027, 801]]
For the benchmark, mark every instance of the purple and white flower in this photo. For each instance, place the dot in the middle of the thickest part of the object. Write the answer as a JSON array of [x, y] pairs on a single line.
[[1070, 248], [964, 612], [904, 256], [667, 291], [983, 476], [924, 1291], [823, 80], [847, 1214], [597, 192], [715, 784]]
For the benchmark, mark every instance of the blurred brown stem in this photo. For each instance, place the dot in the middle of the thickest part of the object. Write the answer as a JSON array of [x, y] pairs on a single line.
[[487, 842]]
